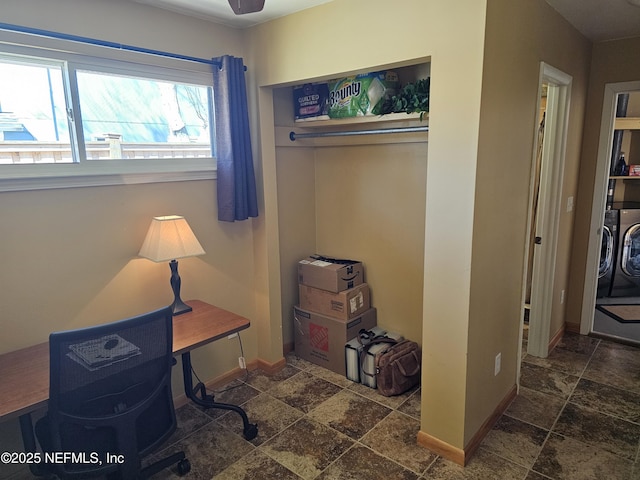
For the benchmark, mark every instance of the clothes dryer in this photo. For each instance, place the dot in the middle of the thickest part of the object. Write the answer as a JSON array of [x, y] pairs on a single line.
[[626, 277], [608, 253]]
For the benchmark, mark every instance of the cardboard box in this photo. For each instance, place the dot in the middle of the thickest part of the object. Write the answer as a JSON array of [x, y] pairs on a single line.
[[311, 101], [359, 95], [343, 305], [330, 274], [321, 340]]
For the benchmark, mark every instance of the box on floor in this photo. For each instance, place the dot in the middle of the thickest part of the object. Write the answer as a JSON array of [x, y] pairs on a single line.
[[321, 339], [344, 305], [334, 275]]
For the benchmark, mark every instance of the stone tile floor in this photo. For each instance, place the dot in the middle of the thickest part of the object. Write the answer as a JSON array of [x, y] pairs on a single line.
[[577, 417]]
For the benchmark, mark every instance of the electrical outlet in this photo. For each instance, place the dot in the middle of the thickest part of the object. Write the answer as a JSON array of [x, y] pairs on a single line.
[[497, 365], [242, 363], [232, 336], [562, 297], [569, 204]]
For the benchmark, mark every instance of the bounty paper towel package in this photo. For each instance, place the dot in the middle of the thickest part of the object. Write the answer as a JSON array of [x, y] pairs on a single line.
[[359, 95]]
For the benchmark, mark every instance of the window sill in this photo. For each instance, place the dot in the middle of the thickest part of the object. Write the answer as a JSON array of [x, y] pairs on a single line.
[[93, 173]]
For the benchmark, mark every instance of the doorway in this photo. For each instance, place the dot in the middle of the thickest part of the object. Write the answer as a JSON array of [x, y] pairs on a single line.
[[599, 206], [545, 201]]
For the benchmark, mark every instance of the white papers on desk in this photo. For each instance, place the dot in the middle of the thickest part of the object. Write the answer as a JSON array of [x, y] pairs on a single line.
[[93, 354]]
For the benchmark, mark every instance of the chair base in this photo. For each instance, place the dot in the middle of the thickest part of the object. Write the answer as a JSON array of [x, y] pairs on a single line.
[[178, 458]]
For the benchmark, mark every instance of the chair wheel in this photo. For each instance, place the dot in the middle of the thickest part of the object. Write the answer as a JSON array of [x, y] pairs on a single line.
[[251, 431], [184, 467]]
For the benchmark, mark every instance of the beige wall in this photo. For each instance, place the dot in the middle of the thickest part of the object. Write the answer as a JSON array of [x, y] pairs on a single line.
[[609, 64], [70, 255], [469, 314], [72, 252], [297, 48], [370, 204], [126, 22], [519, 36], [362, 202]]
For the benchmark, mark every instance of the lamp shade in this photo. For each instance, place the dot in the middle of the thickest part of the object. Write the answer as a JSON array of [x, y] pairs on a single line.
[[170, 238]]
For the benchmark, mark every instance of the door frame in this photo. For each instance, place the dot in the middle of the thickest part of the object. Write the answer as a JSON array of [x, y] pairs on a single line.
[[549, 205], [598, 202]]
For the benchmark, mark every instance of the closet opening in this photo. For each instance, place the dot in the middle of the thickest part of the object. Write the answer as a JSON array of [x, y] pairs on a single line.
[[617, 294]]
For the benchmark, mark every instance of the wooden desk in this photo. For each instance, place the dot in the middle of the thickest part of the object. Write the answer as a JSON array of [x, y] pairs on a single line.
[[24, 374], [205, 324], [25, 381]]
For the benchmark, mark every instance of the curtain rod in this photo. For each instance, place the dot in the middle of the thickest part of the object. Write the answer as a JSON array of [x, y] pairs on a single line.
[[104, 43], [293, 135]]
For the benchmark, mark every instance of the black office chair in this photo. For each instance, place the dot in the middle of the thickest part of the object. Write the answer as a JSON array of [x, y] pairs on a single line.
[[110, 394]]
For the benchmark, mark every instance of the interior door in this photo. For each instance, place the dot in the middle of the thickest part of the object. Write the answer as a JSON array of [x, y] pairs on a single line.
[[545, 205]]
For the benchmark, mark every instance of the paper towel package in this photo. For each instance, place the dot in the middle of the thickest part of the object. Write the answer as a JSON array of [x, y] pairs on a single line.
[[311, 101], [361, 94]]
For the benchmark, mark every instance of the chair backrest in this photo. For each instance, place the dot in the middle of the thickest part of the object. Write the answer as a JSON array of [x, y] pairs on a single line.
[[110, 391]]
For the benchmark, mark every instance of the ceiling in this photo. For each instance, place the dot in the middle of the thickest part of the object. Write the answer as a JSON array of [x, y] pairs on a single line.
[[219, 11], [598, 20], [601, 20]]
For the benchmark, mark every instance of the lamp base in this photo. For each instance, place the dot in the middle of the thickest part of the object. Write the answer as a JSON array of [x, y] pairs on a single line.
[[179, 307]]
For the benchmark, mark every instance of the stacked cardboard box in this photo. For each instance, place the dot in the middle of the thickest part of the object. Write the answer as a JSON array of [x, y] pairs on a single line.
[[335, 304]]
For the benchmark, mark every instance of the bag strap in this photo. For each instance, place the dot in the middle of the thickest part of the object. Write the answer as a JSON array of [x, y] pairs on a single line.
[[415, 371], [365, 348], [365, 336]]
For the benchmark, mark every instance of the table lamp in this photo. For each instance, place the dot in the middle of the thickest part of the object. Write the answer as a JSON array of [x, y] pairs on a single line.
[[170, 238]]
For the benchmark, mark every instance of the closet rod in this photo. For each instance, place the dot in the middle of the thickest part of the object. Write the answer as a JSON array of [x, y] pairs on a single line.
[[293, 135]]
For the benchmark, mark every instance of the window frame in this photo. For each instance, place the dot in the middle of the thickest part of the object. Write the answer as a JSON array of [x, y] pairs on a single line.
[[86, 173]]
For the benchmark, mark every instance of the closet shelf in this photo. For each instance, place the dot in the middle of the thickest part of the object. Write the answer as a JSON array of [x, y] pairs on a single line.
[[627, 123]]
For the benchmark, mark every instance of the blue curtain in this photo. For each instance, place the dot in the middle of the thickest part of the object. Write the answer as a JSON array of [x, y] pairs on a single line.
[[237, 199]]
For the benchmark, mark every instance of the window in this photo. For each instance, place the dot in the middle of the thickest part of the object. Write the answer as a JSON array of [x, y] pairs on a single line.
[[33, 113], [96, 121], [143, 118]]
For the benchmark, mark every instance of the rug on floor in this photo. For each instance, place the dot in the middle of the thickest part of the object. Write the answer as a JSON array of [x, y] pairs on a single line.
[[622, 313]]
